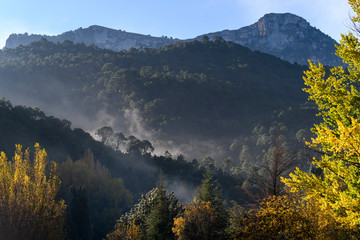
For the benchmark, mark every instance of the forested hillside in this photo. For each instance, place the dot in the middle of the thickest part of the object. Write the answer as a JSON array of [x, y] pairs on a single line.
[[200, 140], [207, 92], [110, 180]]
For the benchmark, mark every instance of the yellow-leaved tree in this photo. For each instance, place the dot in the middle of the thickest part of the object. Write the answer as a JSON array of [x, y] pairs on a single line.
[[336, 93], [28, 205], [129, 232], [284, 217], [198, 221]]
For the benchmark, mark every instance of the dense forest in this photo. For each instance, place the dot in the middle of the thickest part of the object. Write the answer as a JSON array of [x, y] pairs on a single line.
[[254, 178], [204, 94], [111, 179], [181, 92]]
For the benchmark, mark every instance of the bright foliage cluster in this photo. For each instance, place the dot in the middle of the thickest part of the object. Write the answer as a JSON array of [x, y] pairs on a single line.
[[128, 232], [197, 222], [284, 217], [28, 206], [336, 93]]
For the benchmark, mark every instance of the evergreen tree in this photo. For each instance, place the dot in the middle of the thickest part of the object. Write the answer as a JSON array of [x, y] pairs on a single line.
[[160, 220], [210, 192], [80, 225], [153, 215]]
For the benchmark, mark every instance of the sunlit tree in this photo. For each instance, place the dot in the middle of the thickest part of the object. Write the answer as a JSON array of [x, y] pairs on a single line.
[[198, 222], [336, 93], [125, 232], [284, 217], [29, 208]]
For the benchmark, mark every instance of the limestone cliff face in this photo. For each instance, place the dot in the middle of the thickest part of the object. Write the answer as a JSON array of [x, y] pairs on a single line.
[[286, 36], [102, 37]]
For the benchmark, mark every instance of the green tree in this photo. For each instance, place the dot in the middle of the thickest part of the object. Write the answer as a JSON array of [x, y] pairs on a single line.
[[105, 133], [107, 194], [142, 213], [207, 161], [138, 146], [227, 164], [211, 193], [79, 216], [159, 222], [336, 93]]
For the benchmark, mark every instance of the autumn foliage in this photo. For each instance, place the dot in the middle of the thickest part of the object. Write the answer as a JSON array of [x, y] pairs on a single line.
[[28, 205], [284, 217], [198, 221], [125, 232], [336, 93]]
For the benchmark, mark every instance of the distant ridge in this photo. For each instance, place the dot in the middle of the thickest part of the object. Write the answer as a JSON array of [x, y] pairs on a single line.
[[286, 36], [102, 37]]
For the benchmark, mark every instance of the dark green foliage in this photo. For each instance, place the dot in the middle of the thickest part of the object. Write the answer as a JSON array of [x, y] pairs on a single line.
[[137, 146], [26, 125], [186, 93], [159, 222], [173, 88], [210, 192], [154, 214], [107, 195], [79, 218], [105, 133], [196, 90]]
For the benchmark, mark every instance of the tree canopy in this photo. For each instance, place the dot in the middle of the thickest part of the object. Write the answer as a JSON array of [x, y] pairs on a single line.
[[29, 207], [336, 93]]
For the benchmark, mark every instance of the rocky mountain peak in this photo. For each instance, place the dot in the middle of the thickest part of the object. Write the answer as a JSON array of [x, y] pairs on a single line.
[[286, 36], [278, 24], [275, 21]]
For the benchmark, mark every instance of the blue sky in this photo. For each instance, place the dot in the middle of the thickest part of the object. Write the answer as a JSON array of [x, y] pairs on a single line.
[[179, 19]]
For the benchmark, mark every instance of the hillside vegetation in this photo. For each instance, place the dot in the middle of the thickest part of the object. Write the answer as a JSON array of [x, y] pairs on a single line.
[[205, 90]]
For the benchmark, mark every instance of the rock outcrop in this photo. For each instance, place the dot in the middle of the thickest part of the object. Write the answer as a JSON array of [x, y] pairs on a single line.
[[102, 37], [286, 36]]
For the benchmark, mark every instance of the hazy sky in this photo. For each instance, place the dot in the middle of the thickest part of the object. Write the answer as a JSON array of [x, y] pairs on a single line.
[[179, 19]]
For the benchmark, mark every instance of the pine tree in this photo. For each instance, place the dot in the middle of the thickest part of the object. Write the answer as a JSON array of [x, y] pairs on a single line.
[[79, 214], [211, 193], [152, 216], [159, 221]]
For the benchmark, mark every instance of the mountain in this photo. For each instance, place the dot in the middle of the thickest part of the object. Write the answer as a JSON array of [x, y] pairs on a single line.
[[286, 36], [102, 37]]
